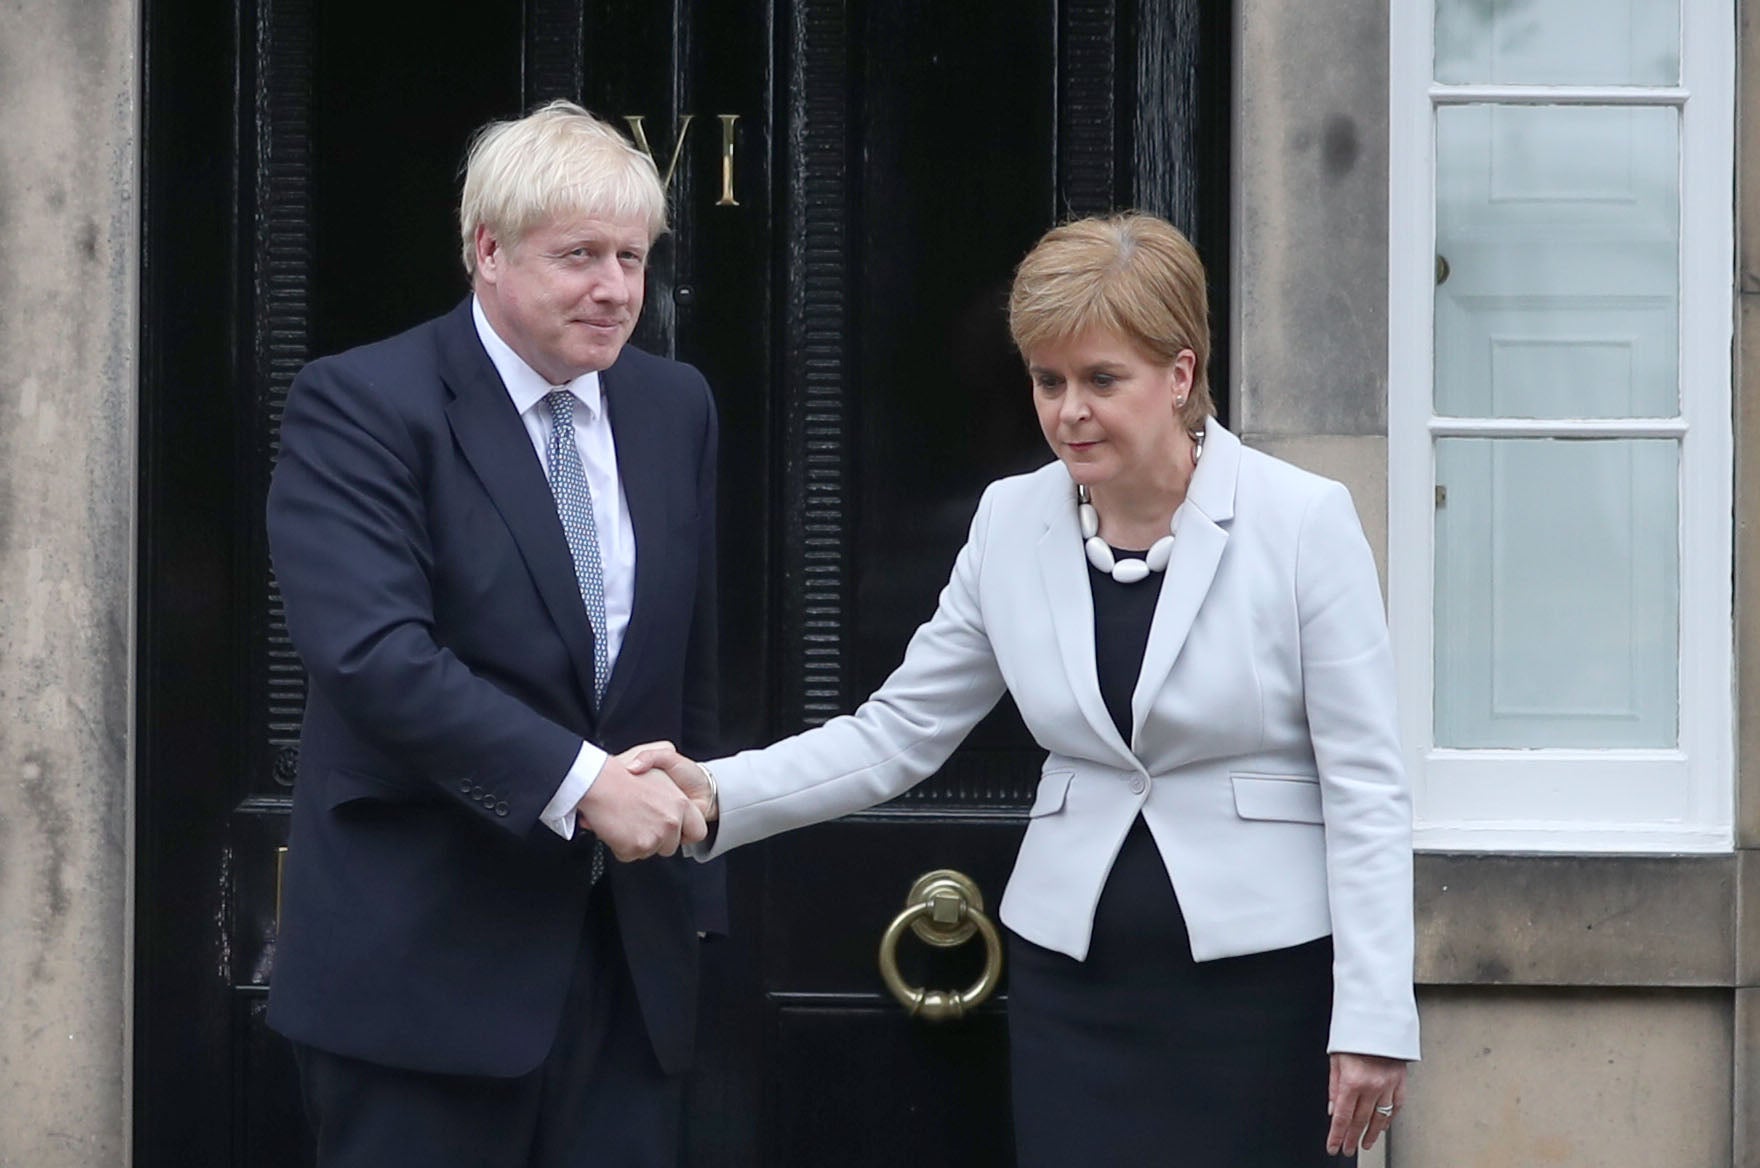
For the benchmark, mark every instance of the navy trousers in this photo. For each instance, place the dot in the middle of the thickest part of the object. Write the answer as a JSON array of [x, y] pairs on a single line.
[[598, 1099]]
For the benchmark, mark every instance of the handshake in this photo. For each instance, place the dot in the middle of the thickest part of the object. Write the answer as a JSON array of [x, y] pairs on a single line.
[[648, 801]]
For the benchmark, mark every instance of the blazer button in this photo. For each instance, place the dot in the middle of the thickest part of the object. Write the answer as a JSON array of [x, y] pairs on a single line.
[[1138, 786], [501, 810], [464, 786]]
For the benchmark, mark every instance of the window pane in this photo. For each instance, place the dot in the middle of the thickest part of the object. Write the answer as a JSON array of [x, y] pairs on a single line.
[[1558, 42], [1557, 593], [1557, 242]]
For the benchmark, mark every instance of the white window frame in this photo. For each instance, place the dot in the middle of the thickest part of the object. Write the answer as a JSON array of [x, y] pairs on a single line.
[[1615, 800]]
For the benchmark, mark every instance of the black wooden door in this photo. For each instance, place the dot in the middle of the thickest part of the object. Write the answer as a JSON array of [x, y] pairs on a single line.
[[852, 183]]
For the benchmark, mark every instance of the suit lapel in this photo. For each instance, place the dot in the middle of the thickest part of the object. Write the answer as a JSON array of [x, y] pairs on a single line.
[[639, 430], [1197, 550], [494, 441], [1070, 602]]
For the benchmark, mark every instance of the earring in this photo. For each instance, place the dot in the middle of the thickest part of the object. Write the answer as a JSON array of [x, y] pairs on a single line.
[[1179, 403]]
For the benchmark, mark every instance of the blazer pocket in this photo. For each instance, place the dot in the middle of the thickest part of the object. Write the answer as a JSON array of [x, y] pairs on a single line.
[[1053, 787], [343, 787], [1291, 798]]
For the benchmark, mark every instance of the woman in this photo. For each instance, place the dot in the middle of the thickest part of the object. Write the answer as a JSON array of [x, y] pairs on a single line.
[[1214, 889]]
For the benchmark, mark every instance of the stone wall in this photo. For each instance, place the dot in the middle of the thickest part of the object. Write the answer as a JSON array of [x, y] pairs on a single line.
[[69, 244], [1310, 242], [1584, 1078]]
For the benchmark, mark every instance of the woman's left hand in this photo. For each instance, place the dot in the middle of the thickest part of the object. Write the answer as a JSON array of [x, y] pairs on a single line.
[[1360, 1084]]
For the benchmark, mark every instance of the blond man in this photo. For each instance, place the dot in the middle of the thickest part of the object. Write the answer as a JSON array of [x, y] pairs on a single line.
[[473, 967]]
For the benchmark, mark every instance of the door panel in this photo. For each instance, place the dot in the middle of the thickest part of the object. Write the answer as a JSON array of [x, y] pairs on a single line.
[[955, 177], [851, 1078], [845, 1061], [856, 180]]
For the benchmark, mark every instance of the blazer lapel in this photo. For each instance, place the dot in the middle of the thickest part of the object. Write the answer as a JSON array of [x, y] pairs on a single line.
[[494, 441], [639, 429], [1070, 602], [1197, 550]]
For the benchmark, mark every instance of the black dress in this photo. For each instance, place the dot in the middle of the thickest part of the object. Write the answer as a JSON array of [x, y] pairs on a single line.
[[1140, 1055]]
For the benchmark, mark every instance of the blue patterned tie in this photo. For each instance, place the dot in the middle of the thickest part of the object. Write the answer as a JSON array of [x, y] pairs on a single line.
[[574, 504]]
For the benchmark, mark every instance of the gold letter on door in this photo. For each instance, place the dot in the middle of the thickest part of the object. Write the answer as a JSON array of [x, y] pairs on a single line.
[[641, 136]]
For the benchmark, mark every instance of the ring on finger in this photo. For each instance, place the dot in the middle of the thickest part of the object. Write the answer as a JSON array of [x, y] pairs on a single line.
[[1385, 1111]]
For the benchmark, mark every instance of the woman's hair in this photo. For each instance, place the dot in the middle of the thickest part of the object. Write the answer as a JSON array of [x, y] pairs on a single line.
[[557, 160], [1135, 276]]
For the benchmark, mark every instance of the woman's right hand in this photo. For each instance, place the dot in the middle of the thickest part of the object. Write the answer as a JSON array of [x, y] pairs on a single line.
[[690, 777]]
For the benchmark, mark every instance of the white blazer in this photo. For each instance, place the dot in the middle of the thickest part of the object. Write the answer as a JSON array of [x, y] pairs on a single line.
[[1263, 755]]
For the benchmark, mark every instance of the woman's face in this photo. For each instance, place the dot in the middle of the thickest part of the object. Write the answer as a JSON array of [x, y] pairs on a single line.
[[1109, 411]]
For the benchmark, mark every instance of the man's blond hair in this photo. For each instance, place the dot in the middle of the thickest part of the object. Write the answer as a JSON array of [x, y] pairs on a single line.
[[557, 161]]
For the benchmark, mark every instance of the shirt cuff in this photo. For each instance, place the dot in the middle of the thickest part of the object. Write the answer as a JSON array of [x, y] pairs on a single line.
[[558, 814]]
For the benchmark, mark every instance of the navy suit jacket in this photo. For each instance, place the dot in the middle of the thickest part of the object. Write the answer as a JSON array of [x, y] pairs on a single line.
[[428, 919]]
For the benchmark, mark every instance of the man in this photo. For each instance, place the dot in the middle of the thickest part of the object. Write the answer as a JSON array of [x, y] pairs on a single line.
[[494, 536]]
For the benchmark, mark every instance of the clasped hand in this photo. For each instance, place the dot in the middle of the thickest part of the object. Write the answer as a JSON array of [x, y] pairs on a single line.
[[640, 814]]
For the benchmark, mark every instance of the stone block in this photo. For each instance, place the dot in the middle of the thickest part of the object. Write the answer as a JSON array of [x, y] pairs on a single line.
[[1569, 1079], [1576, 920], [1747, 917], [1310, 218], [1747, 551], [1748, 147], [67, 390], [1747, 1078]]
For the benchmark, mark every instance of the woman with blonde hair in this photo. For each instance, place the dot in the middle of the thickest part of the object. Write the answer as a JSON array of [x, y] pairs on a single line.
[[1210, 918]]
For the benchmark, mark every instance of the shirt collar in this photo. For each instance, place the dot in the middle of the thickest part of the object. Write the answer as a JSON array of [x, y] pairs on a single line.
[[524, 384]]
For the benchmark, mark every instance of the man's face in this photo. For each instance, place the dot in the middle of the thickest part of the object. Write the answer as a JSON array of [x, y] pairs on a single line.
[[567, 295]]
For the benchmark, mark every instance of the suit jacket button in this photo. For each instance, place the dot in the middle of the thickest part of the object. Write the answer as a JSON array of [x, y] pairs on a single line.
[[501, 810], [465, 785], [1138, 786]]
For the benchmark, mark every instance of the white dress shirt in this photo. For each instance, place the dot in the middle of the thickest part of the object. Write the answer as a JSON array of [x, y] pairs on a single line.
[[617, 538]]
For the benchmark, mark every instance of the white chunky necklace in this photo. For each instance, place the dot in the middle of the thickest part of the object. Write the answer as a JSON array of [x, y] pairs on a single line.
[[1130, 569]]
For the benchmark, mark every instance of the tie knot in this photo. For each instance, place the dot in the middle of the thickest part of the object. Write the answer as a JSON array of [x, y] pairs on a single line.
[[561, 403]]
